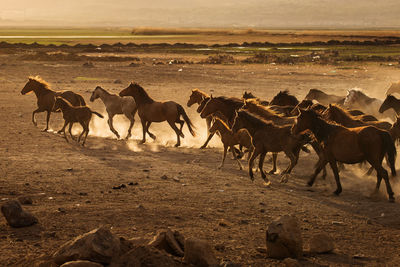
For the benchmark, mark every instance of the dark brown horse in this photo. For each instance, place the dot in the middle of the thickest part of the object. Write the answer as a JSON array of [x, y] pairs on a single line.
[[152, 111], [268, 137], [227, 106], [47, 97], [324, 98], [390, 102], [350, 146], [283, 98], [342, 117], [248, 95]]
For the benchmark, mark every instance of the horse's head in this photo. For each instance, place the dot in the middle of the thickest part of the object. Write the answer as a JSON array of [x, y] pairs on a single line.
[[210, 107], [305, 103], [247, 95], [29, 86], [387, 103], [95, 93], [202, 104], [195, 97], [312, 94], [304, 121], [283, 98], [128, 91]]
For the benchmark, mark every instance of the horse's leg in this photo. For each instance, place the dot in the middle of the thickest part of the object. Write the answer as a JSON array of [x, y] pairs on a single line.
[[256, 152], [110, 123], [178, 133], [293, 161], [223, 157], [131, 118], [69, 129], [62, 130], [33, 116], [65, 135], [210, 135], [260, 166], [382, 173], [83, 130], [236, 158], [144, 129], [87, 132], [47, 121], [320, 165], [152, 136], [335, 170], [274, 158]]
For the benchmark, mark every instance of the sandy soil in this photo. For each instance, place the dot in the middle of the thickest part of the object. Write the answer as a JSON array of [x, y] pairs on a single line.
[[78, 181]]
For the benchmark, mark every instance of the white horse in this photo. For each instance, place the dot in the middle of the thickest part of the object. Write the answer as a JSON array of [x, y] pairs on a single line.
[[394, 88], [356, 99], [116, 105]]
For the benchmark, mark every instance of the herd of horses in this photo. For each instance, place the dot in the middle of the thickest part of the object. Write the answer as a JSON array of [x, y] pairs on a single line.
[[341, 129]]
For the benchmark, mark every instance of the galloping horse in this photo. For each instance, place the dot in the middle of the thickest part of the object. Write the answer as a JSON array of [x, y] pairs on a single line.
[[47, 97], [116, 104], [349, 145], [227, 106], [152, 111], [324, 98], [283, 98], [390, 102]]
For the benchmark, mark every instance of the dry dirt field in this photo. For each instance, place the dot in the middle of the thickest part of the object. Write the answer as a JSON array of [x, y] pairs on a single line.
[[71, 186]]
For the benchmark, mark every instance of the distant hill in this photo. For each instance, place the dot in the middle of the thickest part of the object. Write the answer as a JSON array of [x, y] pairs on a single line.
[[205, 13]]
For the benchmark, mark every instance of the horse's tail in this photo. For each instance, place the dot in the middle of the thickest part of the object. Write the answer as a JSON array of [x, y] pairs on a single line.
[[98, 114], [189, 123], [390, 149]]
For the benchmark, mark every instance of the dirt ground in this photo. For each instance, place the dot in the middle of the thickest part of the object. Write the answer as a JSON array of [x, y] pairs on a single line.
[[72, 190]]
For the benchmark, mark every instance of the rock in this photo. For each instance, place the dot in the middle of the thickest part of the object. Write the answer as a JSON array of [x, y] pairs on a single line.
[[230, 264], [199, 253], [165, 240], [164, 177], [98, 245], [24, 200], [144, 256], [118, 81], [16, 216], [284, 239], [81, 264], [289, 262], [321, 243]]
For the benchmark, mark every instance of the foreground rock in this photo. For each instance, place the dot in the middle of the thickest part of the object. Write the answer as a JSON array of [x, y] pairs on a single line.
[[171, 242], [321, 243], [99, 245], [81, 264], [145, 256], [199, 253], [16, 216], [284, 238]]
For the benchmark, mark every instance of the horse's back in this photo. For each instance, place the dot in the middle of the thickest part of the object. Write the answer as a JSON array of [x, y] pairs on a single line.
[[72, 97]]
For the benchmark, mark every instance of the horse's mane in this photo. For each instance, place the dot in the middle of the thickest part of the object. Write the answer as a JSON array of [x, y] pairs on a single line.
[[316, 91], [222, 122], [143, 94], [39, 80], [254, 119], [231, 101], [196, 90], [285, 93], [344, 113], [262, 110], [102, 89]]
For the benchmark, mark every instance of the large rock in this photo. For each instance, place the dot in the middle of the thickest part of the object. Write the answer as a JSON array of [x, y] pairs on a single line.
[[99, 245], [81, 264], [321, 243], [16, 216], [284, 238], [143, 256], [199, 253], [171, 242]]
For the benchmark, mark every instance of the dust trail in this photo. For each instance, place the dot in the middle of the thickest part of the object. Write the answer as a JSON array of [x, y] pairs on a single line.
[[164, 133]]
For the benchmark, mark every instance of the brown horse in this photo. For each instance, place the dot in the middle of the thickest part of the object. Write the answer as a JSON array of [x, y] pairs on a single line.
[[390, 102], [267, 137], [47, 97], [152, 111], [342, 117], [349, 145], [71, 114], [283, 98], [227, 106], [324, 98], [230, 139], [267, 113], [248, 95]]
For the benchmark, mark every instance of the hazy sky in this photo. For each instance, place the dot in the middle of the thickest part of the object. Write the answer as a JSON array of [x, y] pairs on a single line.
[[202, 13]]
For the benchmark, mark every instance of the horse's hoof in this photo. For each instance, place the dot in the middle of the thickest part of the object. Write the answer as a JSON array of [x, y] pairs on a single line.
[[142, 142], [202, 147], [272, 172], [267, 183], [337, 192], [45, 130], [176, 145], [285, 178], [391, 199], [310, 183]]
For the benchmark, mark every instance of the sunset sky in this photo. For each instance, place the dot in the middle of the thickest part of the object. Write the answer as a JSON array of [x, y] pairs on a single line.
[[204, 13]]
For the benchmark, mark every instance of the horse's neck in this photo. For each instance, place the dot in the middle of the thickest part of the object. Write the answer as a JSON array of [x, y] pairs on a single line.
[[322, 129], [104, 95], [41, 90], [345, 118], [223, 130]]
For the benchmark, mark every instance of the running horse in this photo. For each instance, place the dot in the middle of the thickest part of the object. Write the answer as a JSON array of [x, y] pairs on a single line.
[[46, 98], [150, 111], [283, 98], [350, 146]]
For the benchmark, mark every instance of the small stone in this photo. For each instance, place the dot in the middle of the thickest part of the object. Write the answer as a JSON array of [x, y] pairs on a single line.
[[289, 262], [321, 243], [16, 216], [337, 223], [118, 81], [24, 200], [133, 183], [176, 179], [83, 194], [164, 177], [62, 210], [69, 169], [244, 222]]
